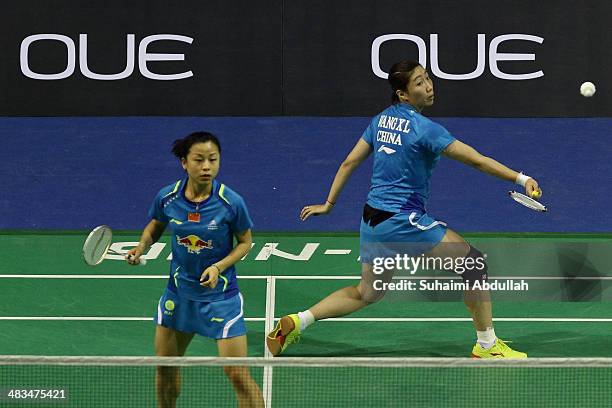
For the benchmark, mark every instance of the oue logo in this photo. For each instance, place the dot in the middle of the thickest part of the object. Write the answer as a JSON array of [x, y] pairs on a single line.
[[494, 56], [143, 57]]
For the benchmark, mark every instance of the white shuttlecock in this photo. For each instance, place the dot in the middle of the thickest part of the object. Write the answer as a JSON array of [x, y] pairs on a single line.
[[587, 89]]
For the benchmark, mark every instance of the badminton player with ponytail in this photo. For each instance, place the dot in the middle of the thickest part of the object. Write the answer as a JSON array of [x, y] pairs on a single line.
[[202, 295], [406, 147]]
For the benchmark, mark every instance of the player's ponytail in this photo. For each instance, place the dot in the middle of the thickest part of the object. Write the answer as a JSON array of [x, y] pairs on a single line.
[[399, 76], [180, 147]]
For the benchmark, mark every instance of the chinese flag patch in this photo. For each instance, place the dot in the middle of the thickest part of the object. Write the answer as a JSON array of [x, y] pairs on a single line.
[[193, 217]]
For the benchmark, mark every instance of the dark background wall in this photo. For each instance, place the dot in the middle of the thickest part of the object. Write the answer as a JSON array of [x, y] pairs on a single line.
[[304, 58]]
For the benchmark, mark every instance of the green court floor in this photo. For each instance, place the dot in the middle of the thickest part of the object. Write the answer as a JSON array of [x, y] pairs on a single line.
[[51, 303]]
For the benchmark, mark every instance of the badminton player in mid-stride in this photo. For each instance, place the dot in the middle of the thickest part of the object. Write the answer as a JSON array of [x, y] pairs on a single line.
[[202, 294], [406, 147]]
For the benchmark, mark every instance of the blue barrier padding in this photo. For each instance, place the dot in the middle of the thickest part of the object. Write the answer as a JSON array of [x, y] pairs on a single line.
[[74, 173]]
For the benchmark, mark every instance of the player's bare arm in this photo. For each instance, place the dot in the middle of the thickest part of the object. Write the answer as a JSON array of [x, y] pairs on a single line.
[[150, 235], [244, 242], [466, 154]]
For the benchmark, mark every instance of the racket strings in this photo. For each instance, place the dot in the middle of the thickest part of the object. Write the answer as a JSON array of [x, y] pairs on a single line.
[[103, 243], [97, 244], [530, 205]]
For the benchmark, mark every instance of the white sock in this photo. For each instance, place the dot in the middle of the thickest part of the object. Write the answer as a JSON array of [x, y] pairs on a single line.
[[486, 338], [306, 319]]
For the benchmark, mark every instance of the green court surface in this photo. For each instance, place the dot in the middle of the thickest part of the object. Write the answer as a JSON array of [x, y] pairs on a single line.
[[52, 303]]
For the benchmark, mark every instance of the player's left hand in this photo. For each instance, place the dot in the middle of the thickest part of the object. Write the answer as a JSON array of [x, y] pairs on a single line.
[[212, 272], [532, 189], [315, 210]]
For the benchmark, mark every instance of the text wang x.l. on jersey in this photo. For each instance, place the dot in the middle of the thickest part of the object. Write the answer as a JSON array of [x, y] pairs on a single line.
[[407, 147], [202, 234]]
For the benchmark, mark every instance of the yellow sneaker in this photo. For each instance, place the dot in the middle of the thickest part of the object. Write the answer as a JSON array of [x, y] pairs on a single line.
[[499, 350], [286, 332]]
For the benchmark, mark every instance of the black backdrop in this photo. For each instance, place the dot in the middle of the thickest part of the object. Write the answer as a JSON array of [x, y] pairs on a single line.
[[298, 57]]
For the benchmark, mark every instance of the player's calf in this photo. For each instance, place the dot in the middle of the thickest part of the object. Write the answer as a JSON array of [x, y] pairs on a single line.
[[168, 386], [475, 270], [369, 294], [247, 390]]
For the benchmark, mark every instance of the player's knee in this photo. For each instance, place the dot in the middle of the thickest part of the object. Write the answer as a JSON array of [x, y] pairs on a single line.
[[474, 267], [167, 372]]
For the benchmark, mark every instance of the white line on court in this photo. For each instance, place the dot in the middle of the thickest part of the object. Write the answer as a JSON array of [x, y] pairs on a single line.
[[268, 373], [468, 319], [339, 319], [513, 277]]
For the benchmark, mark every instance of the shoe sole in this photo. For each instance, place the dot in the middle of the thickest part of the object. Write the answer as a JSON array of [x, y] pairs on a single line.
[[273, 343], [496, 357]]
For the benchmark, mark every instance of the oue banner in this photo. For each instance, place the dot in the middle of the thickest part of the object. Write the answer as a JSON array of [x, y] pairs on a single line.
[[316, 57]]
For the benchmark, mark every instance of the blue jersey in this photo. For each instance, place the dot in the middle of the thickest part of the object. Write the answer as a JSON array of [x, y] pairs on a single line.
[[202, 234], [407, 147]]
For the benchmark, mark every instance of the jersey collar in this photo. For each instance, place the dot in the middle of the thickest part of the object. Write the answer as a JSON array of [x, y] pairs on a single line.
[[408, 106], [213, 192]]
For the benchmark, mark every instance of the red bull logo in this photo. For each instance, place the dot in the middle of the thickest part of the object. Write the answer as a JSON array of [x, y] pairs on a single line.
[[194, 244]]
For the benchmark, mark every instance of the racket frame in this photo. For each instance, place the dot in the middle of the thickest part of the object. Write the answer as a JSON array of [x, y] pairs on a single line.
[[528, 202]]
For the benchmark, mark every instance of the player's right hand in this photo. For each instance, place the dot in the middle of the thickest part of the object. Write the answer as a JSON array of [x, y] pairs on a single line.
[[317, 209], [532, 189], [133, 256]]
